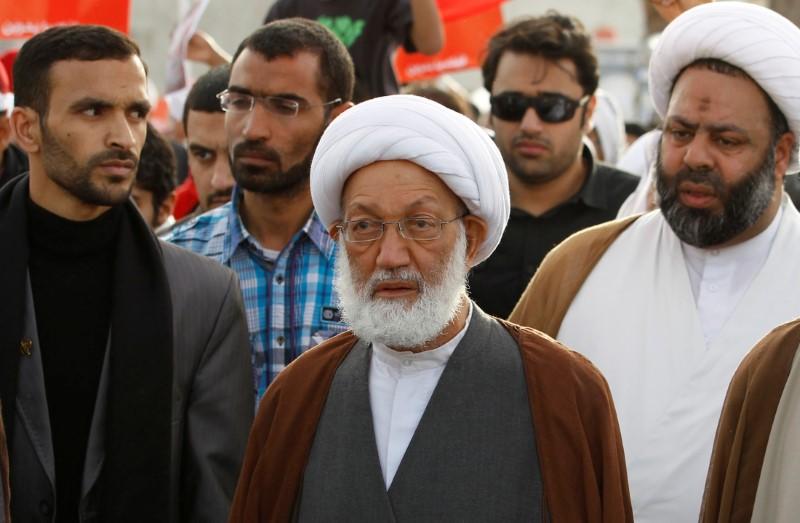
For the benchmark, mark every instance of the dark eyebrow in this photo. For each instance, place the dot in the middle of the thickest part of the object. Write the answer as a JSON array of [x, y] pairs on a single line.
[[197, 147], [288, 96], [714, 128], [88, 102], [555, 93], [683, 122], [726, 128], [237, 89], [143, 106]]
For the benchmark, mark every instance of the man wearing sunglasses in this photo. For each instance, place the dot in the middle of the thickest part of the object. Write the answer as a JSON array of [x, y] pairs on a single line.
[[288, 80], [542, 74]]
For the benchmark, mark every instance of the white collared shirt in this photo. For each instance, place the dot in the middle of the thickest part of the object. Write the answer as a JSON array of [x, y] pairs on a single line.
[[720, 277], [400, 386]]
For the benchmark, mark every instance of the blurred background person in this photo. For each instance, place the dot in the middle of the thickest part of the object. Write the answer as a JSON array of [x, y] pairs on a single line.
[[608, 128], [210, 181], [444, 93], [372, 31], [153, 191], [633, 131]]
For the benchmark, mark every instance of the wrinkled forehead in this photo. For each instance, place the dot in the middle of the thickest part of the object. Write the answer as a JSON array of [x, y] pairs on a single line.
[[702, 94], [397, 186]]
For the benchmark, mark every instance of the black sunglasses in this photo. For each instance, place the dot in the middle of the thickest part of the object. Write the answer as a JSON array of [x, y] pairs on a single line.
[[551, 107]]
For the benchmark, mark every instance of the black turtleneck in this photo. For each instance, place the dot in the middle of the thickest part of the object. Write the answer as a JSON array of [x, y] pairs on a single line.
[[71, 268]]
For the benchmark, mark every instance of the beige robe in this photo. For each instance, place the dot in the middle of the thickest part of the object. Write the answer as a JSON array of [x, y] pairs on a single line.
[[630, 309], [754, 465]]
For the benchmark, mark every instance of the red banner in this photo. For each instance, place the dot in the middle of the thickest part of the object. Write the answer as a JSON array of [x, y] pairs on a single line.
[[455, 9], [465, 45], [21, 19]]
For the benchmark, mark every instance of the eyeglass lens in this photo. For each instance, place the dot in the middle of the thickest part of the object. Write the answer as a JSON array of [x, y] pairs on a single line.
[[411, 228], [243, 102]]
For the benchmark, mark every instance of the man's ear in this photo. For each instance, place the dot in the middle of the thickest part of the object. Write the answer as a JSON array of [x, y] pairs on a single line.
[[588, 113], [477, 230], [165, 209], [783, 154], [26, 129], [5, 132], [339, 109], [333, 230]]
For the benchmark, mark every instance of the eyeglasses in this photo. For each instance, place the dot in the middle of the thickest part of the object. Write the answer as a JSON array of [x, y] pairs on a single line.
[[418, 229], [236, 102], [551, 107]]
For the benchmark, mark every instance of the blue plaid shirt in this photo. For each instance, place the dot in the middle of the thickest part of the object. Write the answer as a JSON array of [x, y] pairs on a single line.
[[291, 305]]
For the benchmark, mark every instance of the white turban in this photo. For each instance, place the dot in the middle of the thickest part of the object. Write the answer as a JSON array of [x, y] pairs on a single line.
[[753, 38], [405, 127]]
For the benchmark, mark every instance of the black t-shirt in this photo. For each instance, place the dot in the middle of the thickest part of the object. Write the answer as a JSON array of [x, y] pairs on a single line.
[[370, 29], [497, 283]]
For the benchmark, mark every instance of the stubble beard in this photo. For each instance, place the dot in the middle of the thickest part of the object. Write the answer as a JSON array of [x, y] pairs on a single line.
[[541, 170], [63, 170], [287, 183], [396, 322], [743, 203]]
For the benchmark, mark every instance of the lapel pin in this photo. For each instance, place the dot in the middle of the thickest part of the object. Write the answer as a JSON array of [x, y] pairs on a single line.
[[26, 347]]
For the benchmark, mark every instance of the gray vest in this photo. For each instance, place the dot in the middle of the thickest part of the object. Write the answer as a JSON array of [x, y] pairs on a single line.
[[472, 458]]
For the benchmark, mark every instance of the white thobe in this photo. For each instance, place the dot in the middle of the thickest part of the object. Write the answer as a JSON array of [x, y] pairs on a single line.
[[636, 318], [400, 386], [720, 277]]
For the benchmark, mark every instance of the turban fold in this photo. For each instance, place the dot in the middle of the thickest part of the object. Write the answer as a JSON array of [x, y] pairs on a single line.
[[406, 127], [755, 39]]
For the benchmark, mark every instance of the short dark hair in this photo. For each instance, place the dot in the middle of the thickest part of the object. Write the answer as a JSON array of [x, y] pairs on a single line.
[[778, 123], [552, 36], [157, 168], [289, 36], [203, 94], [69, 42], [444, 96]]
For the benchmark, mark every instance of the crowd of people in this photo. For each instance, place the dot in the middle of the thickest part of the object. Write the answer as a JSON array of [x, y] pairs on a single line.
[[358, 305]]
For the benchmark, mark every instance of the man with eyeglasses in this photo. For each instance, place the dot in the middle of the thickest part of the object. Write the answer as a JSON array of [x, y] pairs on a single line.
[[542, 75], [288, 80], [429, 409]]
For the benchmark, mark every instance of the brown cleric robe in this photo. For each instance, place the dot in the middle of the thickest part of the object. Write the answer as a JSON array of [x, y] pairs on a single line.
[[577, 434], [553, 288], [745, 425]]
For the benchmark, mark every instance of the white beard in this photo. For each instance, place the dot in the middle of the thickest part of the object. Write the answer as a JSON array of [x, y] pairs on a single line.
[[395, 322]]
